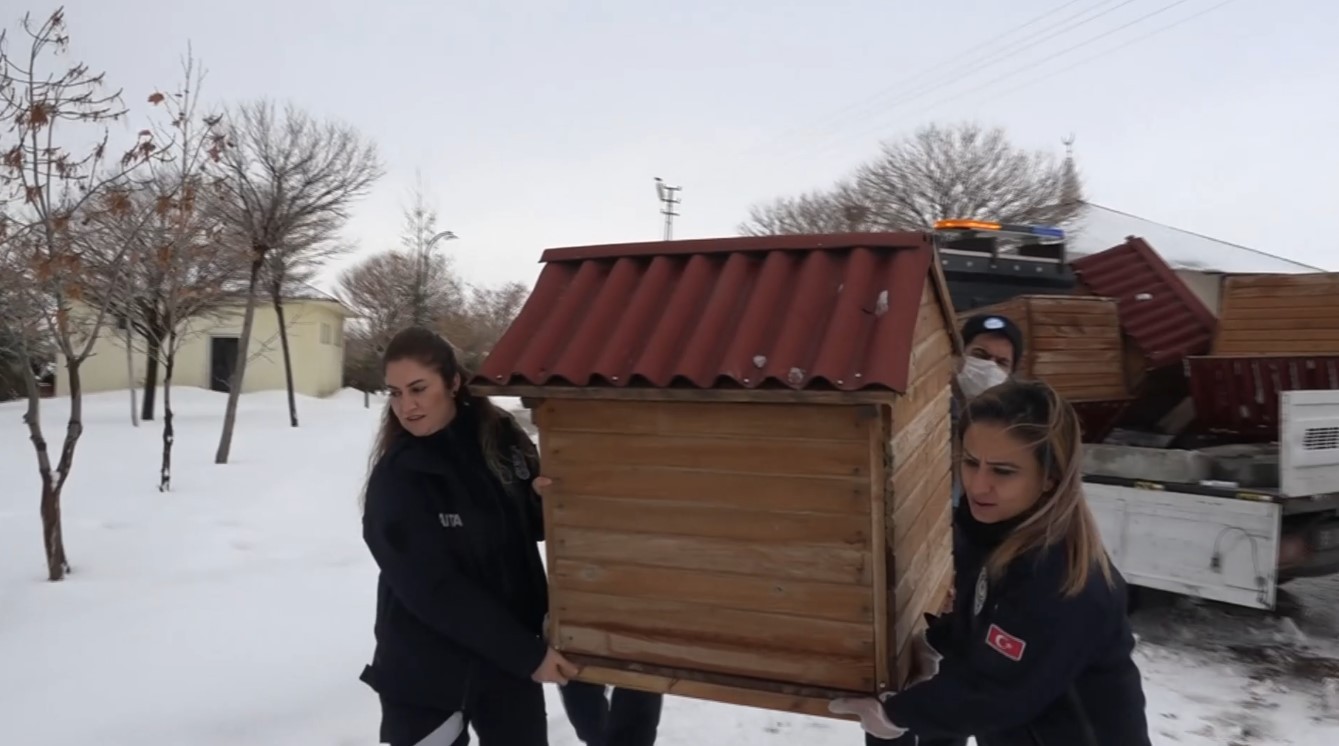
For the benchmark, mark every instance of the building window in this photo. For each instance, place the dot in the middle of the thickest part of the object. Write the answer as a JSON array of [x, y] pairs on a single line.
[[325, 334], [339, 336]]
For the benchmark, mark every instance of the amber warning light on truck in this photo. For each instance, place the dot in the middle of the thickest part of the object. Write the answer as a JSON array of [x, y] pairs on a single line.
[[1041, 231]]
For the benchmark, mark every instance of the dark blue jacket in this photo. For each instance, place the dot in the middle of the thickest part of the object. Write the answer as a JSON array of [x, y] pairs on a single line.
[[461, 582], [1030, 667]]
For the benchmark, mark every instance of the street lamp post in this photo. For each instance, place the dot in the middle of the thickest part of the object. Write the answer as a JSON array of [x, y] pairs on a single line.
[[424, 262], [443, 236]]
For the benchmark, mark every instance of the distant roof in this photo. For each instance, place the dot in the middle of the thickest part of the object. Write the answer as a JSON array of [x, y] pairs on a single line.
[[1100, 228], [304, 291], [817, 312], [295, 291]]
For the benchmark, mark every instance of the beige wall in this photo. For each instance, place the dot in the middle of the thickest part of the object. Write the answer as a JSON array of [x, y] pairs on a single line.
[[1206, 285], [315, 338]]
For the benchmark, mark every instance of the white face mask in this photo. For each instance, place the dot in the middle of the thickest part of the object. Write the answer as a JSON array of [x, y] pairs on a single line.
[[978, 375]]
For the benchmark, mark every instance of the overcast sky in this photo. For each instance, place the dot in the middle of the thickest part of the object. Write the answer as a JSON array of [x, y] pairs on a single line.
[[539, 123]]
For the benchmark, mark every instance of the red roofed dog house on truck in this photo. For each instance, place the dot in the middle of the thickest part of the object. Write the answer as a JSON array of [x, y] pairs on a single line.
[[749, 441]]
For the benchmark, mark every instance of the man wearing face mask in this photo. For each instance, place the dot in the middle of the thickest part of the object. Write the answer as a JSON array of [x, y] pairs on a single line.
[[992, 346]]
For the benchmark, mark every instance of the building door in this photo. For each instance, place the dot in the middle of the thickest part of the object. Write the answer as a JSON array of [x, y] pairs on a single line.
[[222, 360]]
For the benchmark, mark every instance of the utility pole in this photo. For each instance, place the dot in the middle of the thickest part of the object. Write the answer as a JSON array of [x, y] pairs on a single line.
[[1071, 191], [668, 196]]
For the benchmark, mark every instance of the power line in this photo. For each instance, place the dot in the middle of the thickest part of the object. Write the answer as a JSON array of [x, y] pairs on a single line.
[[871, 130], [836, 116], [940, 77], [1064, 51], [1110, 51], [1091, 58]]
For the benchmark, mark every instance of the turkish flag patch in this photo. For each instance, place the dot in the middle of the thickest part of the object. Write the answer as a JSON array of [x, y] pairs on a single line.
[[1005, 644]]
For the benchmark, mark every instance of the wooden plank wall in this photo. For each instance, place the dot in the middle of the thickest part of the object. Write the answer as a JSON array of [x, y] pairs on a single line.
[[718, 537], [1072, 342], [919, 534], [1279, 315], [1076, 346]]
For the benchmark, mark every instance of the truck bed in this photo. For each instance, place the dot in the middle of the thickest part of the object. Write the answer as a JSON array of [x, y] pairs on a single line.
[[1289, 505]]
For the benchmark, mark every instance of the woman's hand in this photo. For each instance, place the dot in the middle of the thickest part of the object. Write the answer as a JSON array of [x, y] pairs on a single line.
[[555, 669], [873, 719], [540, 485]]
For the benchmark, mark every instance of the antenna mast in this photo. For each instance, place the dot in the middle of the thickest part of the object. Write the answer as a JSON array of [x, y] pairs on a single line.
[[668, 196]]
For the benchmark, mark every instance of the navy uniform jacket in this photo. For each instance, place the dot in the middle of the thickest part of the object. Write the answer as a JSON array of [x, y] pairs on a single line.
[[1023, 665], [462, 584]]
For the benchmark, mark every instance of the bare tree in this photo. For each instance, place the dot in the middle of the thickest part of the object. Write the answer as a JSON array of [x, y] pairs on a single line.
[[11, 357], [185, 269], [362, 360], [434, 289], [181, 206], [480, 324], [57, 192], [379, 289], [289, 269], [394, 289], [202, 270], [129, 341], [21, 337], [412, 285], [289, 177], [837, 210], [385, 287], [959, 171], [24, 343]]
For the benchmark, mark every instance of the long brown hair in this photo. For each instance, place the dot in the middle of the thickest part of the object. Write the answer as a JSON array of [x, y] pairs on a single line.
[[431, 350], [1034, 413]]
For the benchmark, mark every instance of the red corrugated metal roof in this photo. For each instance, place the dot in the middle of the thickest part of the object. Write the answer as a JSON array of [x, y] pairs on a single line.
[[798, 312], [1240, 393], [1164, 318]]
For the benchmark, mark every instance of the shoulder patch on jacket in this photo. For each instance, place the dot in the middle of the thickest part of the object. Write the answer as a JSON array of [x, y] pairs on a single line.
[[1005, 644], [524, 456], [518, 464]]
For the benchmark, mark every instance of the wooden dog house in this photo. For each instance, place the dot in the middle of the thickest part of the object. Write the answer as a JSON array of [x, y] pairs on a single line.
[[1072, 342], [750, 445]]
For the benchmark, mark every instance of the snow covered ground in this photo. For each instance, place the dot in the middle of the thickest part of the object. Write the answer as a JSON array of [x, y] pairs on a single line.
[[237, 609]]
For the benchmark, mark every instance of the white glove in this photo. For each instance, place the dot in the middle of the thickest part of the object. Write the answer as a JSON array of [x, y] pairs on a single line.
[[872, 717]]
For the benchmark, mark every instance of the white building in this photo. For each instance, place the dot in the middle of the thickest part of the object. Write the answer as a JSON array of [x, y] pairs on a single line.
[[315, 324]]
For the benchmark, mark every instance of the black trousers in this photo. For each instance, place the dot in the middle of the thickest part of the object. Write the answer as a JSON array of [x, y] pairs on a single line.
[[626, 718], [504, 712]]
